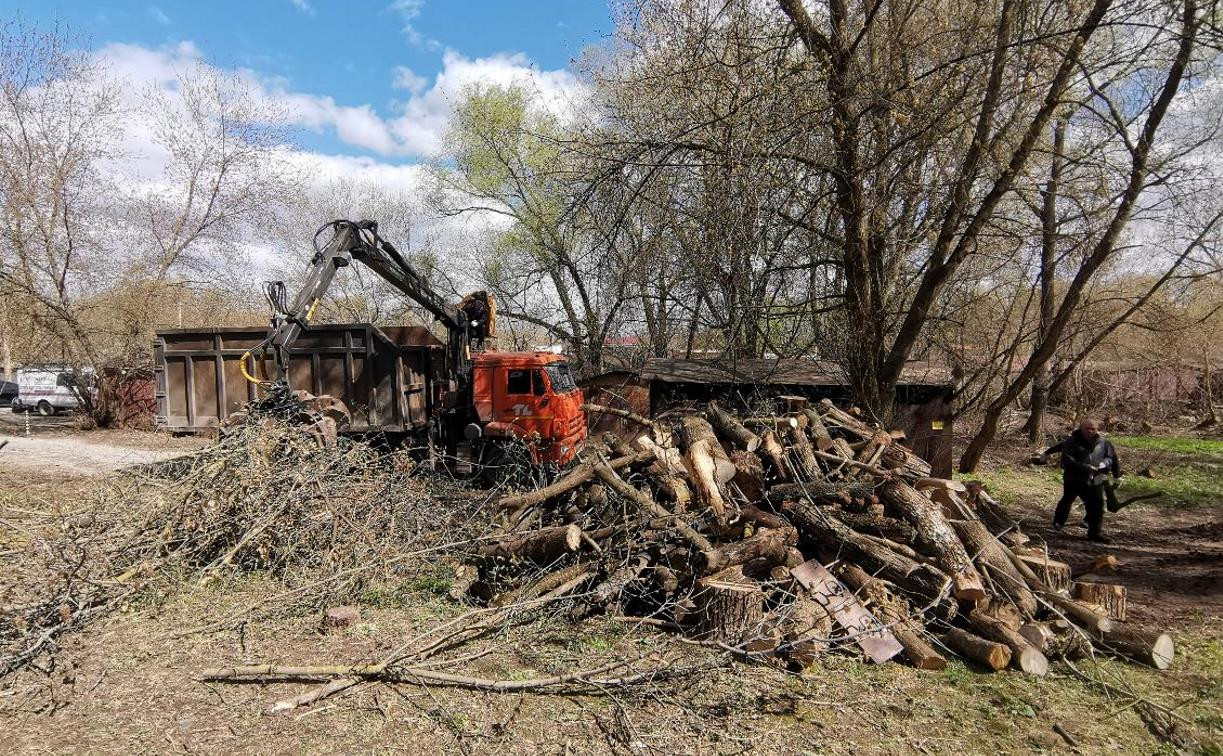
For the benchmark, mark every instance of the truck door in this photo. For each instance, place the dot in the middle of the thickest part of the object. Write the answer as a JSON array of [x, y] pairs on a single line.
[[521, 391]]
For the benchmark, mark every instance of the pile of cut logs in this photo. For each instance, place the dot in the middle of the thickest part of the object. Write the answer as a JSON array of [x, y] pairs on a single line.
[[786, 535]]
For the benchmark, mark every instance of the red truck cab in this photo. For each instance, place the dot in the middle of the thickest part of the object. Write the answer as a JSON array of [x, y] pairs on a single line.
[[531, 396]]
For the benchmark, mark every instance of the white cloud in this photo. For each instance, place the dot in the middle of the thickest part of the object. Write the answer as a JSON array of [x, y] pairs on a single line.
[[409, 11], [415, 128], [422, 121], [304, 6], [158, 15], [403, 77]]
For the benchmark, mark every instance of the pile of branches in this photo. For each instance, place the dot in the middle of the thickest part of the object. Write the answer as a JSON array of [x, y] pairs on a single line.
[[783, 536], [325, 517]]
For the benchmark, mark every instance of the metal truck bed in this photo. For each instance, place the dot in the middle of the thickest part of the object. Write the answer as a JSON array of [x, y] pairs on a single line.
[[387, 377]]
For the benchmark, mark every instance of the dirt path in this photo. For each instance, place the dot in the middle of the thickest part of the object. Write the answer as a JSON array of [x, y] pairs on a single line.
[[72, 455]]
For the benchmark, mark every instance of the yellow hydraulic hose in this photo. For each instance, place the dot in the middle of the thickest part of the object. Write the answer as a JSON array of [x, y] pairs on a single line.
[[250, 378]]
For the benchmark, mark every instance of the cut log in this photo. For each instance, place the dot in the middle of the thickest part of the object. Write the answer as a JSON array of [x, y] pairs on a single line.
[[874, 448], [817, 430], [702, 470], [749, 474], [1080, 614], [927, 518], [875, 639], [951, 503], [649, 506], [792, 404], [899, 457], [992, 555], [772, 450], [987, 653], [773, 423], [894, 611], [832, 414], [670, 459], [673, 490], [539, 546], [762, 519], [728, 428], [1024, 656], [995, 517], [610, 589], [801, 455], [768, 546], [698, 429], [806, 628], [1056, 639], [1109, 597], [1153, 649], [728, 612], [885, 527], [1051, 572], [819, 492], [923, 484], [583, 473]]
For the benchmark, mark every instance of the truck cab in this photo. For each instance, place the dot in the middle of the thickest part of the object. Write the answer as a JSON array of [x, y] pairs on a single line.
[[530, 396]]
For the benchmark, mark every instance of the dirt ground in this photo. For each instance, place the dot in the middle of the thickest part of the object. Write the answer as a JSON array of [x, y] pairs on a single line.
[[54, 446], [131, 682]]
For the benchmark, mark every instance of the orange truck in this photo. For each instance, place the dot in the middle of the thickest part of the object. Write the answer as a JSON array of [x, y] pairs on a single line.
[[472, 402]]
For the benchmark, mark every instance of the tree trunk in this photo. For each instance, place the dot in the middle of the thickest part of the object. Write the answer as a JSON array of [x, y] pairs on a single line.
[[1048, 270], [927, 518]]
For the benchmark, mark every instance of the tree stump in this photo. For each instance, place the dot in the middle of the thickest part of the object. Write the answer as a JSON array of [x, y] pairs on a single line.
[[1051, 572], [1109, 597], [728, 612]]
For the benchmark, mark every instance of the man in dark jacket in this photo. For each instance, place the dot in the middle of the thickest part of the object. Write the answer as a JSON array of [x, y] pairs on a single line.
[[1086, 458]]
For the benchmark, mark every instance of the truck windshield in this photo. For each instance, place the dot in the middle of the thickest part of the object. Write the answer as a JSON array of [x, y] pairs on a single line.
[[562, 379]]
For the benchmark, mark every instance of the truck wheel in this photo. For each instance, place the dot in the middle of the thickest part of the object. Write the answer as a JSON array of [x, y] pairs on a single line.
[[501, 465], [45, 409]]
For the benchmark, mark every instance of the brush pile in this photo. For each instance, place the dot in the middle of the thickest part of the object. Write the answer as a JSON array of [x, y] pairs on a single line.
[[783, 536], [325, 517]]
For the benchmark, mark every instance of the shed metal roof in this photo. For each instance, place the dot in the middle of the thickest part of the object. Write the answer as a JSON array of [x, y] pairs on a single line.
[[778, 372]]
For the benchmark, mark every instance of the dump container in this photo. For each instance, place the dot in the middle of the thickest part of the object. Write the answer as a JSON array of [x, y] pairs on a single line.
[[389, 378]]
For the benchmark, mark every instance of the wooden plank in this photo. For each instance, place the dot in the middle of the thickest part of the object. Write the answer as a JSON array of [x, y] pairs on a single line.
[[877, 641]]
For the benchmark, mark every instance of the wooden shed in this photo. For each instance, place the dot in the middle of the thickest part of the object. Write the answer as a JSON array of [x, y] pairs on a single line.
[[923, 396]]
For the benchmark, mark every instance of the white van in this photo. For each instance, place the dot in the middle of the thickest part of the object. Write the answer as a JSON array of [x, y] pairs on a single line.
[[47, 390]]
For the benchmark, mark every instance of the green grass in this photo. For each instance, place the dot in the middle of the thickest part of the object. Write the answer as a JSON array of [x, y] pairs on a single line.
[[1174, 444], [1188, 471]]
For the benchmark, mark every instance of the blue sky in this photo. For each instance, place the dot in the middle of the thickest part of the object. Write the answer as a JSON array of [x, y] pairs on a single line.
[[363, 70]]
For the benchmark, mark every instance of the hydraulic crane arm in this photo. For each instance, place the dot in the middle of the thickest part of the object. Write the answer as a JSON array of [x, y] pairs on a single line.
[[360, 241]]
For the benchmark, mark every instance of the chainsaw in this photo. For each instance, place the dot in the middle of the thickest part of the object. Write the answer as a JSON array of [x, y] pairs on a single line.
[[1113, 504]]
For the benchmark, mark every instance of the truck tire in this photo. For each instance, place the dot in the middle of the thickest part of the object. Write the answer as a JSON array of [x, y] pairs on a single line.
[[45, 409], [17, 407]]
